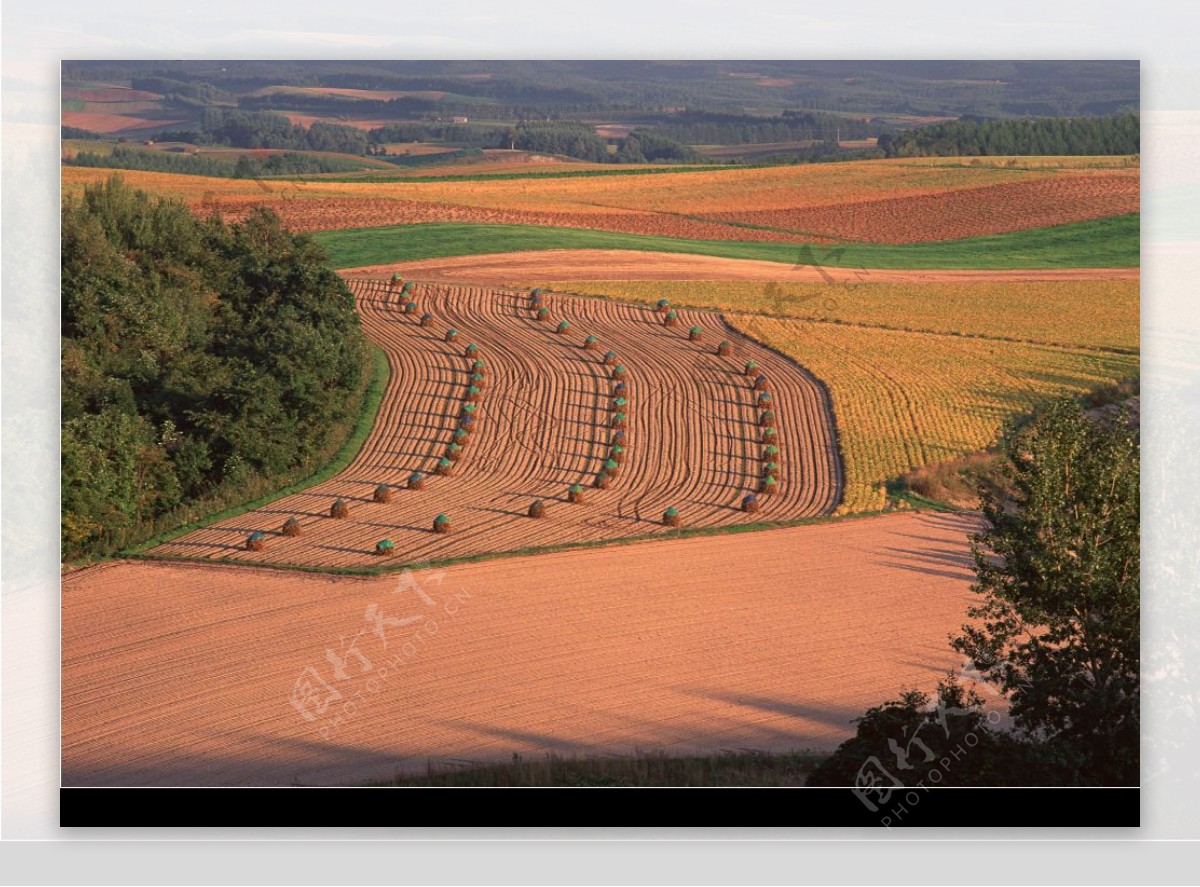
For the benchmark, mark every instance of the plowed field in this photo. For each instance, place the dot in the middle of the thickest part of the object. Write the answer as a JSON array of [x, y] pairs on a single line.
[[195, 674], [543, 424]]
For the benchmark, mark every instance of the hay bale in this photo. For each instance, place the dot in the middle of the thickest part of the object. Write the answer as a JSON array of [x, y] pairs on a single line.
[[256, 541], [750, 369], [672, 319], [764, 397], [696, 334], [407, 288], [662, 305], [454, 452], [671, 517], [467, 423], [723, 348], [618, 420], [416, 481], [543, 313], [619, 437], [575, 494], [611, 468], [619, 389], [768, 486], [771, 469], [426, 319], [445, 467], [441, 524], [750, 503], [617, 454], [620, 403], [291, 527], [770, 453], [410, 307], [768, 434], [762, 383], [473, 394], [591, 343], [471, 350], [563, 326], [766, 418], [461, 436], [383, 494], [396, 282], [451, 335], [537, 508], [480, 367], [385, 547], [339, 509], [468, 411], [603, 481], [479, 380], [610, 358], [618, 371]]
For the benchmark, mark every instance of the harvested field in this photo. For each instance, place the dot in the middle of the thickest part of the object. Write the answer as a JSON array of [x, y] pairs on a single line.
[[566, 265], [177, 674], [974, 212], [544, 423]]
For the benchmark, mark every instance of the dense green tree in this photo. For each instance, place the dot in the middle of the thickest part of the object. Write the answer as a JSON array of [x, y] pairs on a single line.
[[197, 358]]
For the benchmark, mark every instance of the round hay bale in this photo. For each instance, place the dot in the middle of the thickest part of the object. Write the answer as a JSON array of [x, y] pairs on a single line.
[[671, 517], [468, 411], [611, 468], [535, 292], [339, 509], [473, 394], [416, 481], [471, 350], [764, 397], [396, 282], [723, 348], [766, 418], [537, 508], [610, 358], [591, 343], [771, 469], [383, 494], [563, 326], [603, 481], [426, 319], [618, 420], [407, 288], [618, 371], [768, 486], [441, 524], [619, 437], [410, 307], [479, 380], [461, 436], [619, 389], [750, 503], [467, 423], [617, 454], [620, 403], [291, 527], [750, 369], [770, 453], [662, 305], [768, 435], [451, 335], [672, 319], [543, 313], [696, 334], [479, 366], [445, 467], [385, 547], [454, 452], [575, 494], [256, 541]]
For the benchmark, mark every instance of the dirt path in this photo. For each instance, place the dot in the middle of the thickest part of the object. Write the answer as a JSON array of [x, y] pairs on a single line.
[[543, 424], [186, 674], [519, 268]]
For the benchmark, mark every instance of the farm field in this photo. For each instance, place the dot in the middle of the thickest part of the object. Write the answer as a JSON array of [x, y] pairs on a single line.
[[545, 422], [887, 201], [1099, 313], [183, 674], [904, 400]]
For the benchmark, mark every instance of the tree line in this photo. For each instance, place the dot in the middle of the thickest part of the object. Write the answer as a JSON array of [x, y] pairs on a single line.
[[200, 362], [708, 128], [234, 167], [1114, 134]]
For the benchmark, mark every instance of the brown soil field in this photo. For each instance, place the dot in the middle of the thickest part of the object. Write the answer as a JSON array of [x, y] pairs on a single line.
[[535, 267], [106, 123], [192, 674], [110, 94], [994, 209], [543, 425]]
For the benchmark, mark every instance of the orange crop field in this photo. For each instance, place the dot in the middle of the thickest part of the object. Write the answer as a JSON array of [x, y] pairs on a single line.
[[889, 201], [192, 674], [548, 418]]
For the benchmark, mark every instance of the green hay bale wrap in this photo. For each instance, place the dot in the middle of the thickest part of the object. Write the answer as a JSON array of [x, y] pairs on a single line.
[[339, 509], [291, 527], [441, 524], [385, 546], [256, 541], [383, 494]]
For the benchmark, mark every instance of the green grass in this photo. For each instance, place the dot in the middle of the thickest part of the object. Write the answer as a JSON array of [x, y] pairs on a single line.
[[1103, 243], [501, 176], [372, 399], [745, 768]]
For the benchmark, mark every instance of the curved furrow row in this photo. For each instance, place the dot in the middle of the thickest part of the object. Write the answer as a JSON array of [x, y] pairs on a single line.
[[543, 424]]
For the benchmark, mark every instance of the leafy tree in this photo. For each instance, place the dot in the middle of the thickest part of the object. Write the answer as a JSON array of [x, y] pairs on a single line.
[[1058, 565]]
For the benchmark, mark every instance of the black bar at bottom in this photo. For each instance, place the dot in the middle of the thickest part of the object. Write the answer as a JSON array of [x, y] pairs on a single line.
[[582, 807]]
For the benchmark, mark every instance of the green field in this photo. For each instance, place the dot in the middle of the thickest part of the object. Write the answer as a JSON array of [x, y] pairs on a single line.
[[1103, 243]]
